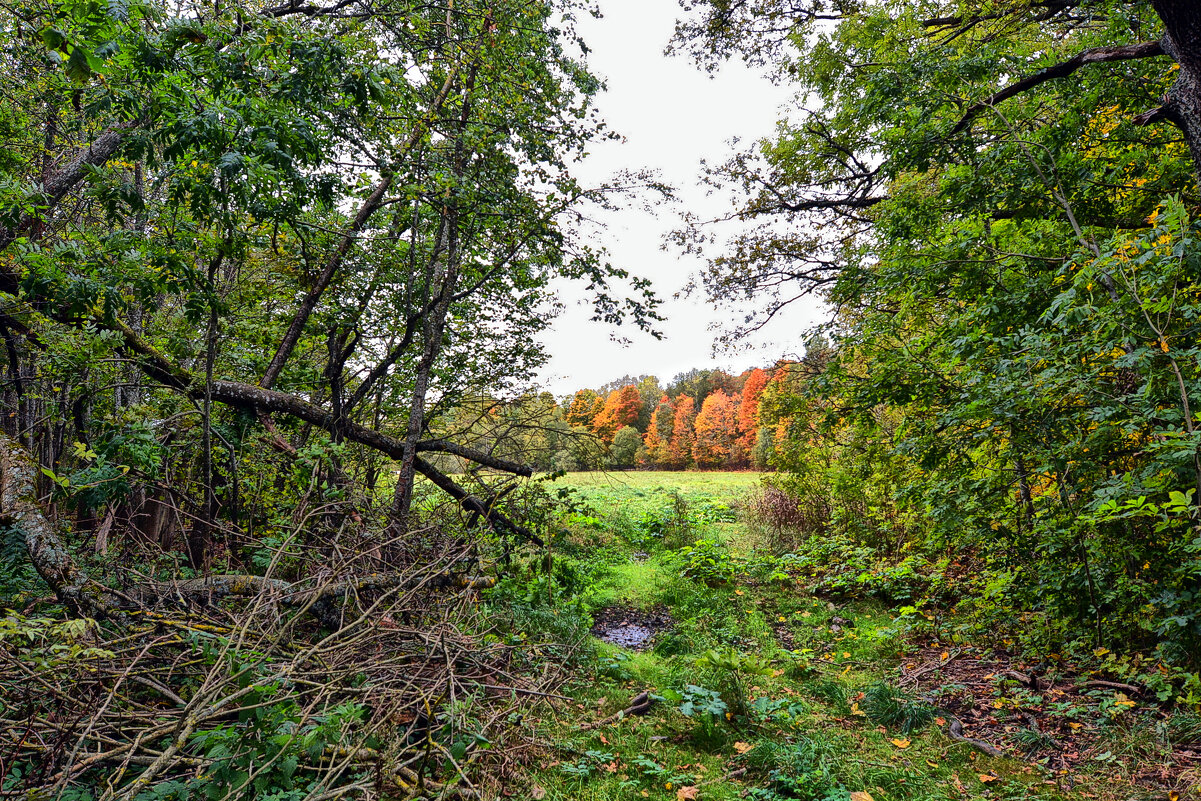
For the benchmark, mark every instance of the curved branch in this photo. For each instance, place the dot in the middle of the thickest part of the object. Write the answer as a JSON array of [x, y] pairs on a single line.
[[19, 508], [472, 455], [1063, 69], [472, 503]]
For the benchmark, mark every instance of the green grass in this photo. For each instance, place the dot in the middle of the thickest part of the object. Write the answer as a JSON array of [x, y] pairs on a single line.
[[823, 720]]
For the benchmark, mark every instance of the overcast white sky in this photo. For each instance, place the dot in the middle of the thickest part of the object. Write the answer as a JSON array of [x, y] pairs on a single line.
[[672, 115]]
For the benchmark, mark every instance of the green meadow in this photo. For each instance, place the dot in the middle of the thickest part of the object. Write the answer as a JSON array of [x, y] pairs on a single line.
[[762, 688]]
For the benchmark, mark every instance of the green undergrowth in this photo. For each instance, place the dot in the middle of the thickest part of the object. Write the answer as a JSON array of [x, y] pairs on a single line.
[[778, 676]]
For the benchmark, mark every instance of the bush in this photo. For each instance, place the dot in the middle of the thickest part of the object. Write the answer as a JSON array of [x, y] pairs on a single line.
[[710, 562]]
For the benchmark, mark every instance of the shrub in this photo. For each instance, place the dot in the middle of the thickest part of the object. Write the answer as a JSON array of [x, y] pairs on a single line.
[[710, 562]]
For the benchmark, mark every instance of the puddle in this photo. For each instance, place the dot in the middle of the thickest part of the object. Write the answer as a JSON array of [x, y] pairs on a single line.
[[630, 628]]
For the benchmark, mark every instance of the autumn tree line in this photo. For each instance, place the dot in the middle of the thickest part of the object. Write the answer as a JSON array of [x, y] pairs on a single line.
[[704, 419]]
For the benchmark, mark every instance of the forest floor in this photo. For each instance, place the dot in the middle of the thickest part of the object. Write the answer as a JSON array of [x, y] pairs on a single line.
[[760, 689]]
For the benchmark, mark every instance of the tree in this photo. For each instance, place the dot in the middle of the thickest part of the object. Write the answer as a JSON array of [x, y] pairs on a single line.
[[717, 442], [581, 410], [625, 447], [659, 433], [998, 240], [650, 392], [679, 448], [748, 407], [621, 409]]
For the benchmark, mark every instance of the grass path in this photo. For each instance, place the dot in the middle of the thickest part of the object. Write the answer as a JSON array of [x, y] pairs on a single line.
[[765, 691]]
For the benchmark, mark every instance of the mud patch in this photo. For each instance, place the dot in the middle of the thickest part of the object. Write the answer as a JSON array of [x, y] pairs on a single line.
[[630, 628]]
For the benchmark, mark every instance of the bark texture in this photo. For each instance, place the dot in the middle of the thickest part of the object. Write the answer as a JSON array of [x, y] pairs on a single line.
[[1182, 41]]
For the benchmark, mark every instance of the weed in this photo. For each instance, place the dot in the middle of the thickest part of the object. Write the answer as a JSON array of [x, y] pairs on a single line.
[[831, 692], [1184, 728], [587, 765], [732, 670], [801, 770], [710, 562], [888, 706]]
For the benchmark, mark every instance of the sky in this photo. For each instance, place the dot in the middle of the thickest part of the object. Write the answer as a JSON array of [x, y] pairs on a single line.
[[672, 115]]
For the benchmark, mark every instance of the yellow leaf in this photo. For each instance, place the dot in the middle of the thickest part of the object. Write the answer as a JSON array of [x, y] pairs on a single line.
[[945, 656], [782, 618], [940, 721], [932, 763], [739, 592], [742, 747], [1101, 652], [985, 777], [861, 795], [855, 710], [686, 793], [997, 704], [1075, 726], [900, 742], [846, 654]]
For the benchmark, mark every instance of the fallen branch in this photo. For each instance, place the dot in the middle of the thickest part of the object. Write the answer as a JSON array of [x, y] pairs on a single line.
[[640, 704], [1114, 685], [955, 732], [19, 508]]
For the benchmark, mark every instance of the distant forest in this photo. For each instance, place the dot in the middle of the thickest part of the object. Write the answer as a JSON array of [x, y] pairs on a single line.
[[704, 419]]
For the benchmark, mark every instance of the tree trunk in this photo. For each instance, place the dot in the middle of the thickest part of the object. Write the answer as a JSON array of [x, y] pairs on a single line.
[[1182, 26]]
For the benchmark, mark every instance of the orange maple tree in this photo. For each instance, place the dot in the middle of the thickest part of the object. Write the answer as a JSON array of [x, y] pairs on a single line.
[[716, 440], [748, 408], [679, 450], [621, 409]]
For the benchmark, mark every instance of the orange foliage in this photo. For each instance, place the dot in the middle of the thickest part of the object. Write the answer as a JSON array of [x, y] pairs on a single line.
[[679, 450], [620, 410], [658, 433], [717, 442], [748, 409]]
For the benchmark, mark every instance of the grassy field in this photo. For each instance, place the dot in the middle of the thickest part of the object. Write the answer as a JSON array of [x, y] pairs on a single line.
[[765, 690]]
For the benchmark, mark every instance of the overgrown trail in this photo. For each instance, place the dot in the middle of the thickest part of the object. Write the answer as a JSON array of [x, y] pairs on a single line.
[[731, 672]]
